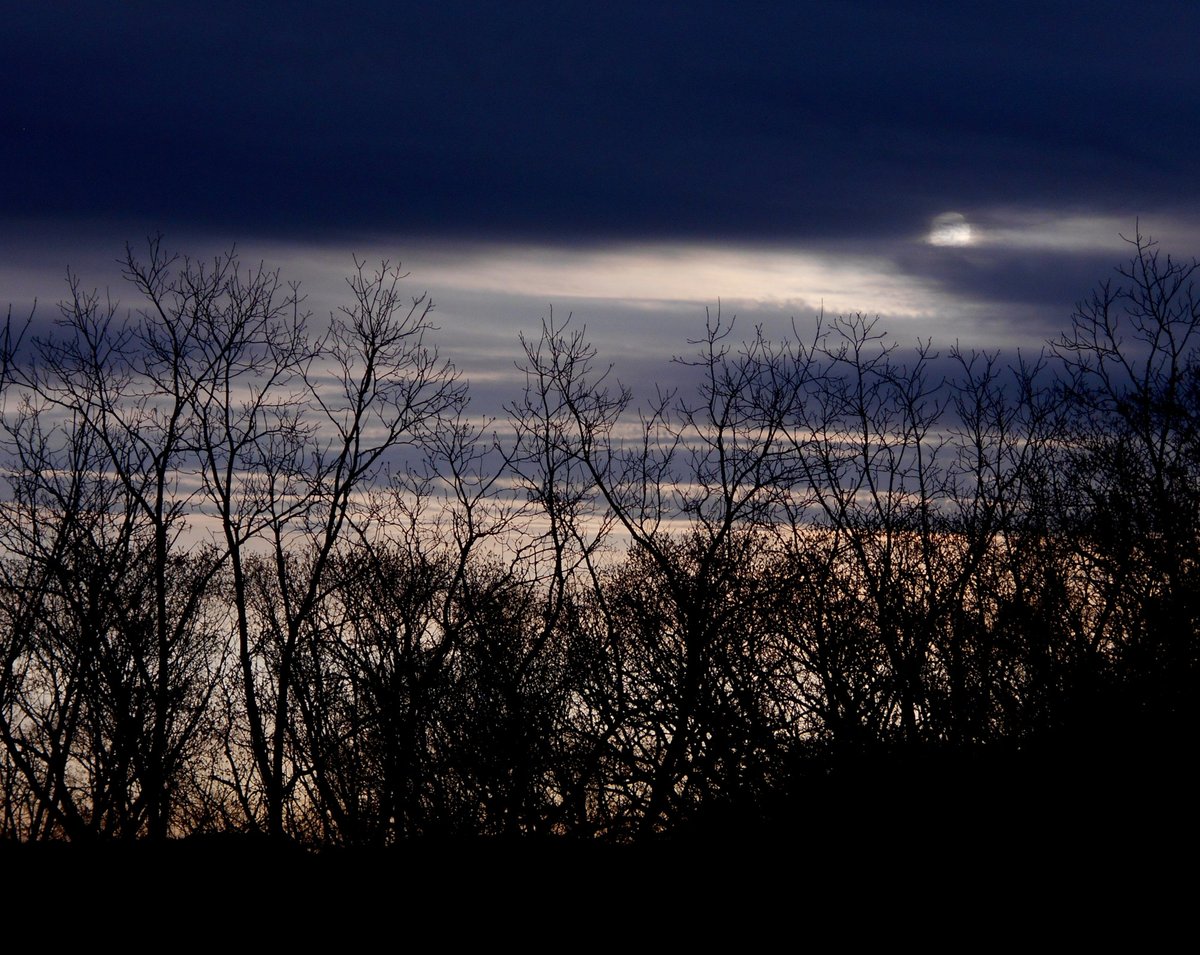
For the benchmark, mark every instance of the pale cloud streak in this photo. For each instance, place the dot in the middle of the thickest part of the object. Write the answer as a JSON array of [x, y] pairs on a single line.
[[642, 301]]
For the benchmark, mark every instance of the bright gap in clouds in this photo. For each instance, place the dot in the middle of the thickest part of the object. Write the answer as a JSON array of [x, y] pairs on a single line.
[[634, 298], [950, 228], [659, 276], [640, 303], [1047, 231]]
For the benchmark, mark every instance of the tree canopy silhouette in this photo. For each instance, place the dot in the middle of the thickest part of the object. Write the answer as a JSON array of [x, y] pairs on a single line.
[[264, 574]]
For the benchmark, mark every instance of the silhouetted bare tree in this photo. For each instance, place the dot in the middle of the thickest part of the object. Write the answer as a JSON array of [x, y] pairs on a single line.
[[98, 505], [1132, 507], [717, 467], [263, 573]]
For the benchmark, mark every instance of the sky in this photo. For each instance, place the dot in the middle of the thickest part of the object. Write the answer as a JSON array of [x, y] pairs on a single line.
[[965, 172]]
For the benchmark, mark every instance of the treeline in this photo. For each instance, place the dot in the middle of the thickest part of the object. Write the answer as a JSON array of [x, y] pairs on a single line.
[[265, 576]]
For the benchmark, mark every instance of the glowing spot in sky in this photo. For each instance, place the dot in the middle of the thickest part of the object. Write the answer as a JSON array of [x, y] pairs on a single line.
[[950, 228]]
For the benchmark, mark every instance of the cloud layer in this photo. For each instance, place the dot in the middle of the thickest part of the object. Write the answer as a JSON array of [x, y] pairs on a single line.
[[797, 121], [627, 164]]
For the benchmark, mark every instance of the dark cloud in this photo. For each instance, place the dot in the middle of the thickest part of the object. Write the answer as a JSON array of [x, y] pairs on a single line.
[[568, 121], [1011, 275]]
